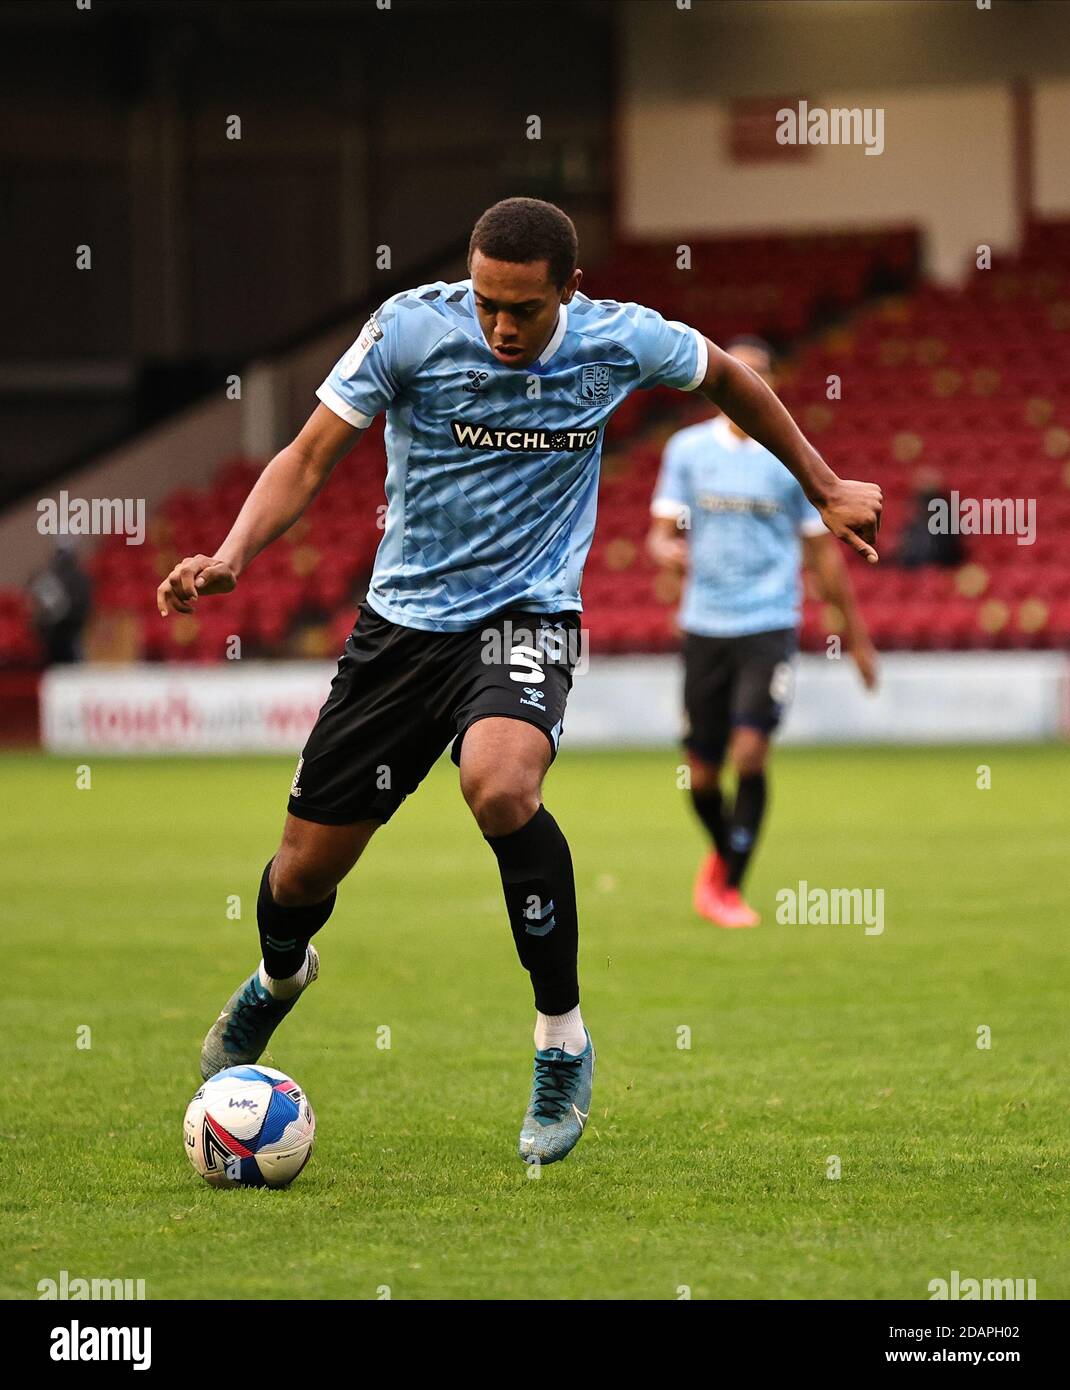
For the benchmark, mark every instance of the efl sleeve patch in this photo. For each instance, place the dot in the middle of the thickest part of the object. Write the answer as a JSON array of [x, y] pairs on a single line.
[[368, 336]]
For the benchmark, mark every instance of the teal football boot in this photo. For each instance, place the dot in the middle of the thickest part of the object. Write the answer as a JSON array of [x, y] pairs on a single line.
[[559, 1106], [250, 1016]]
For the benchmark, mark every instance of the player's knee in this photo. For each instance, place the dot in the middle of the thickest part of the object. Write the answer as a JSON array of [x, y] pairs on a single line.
[[295, 882], [749, 750], [705, 777], [500, 806]]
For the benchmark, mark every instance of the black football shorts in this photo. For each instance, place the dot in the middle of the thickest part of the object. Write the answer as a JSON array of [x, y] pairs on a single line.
[[731, 682], [400, 695]]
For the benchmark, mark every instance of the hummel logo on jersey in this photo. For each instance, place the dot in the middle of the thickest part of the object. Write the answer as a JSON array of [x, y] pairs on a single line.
[[475, 380], [480, 436]]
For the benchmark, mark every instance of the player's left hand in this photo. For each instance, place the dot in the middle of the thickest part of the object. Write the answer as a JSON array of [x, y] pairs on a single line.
[[852, 512], [865, 658]]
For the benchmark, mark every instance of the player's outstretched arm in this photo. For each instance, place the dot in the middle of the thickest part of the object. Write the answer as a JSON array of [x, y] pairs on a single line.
[[278, 497], [825, 562], [850, 510]]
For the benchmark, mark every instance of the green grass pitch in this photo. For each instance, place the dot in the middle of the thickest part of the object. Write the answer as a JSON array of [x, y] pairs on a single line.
[[703, 1168]]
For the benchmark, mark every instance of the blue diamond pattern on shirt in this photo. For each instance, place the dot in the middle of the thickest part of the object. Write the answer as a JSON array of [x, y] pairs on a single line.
[[502, 514]]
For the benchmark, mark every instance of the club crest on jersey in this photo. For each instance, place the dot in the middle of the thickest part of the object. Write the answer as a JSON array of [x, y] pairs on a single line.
[[594, 384]]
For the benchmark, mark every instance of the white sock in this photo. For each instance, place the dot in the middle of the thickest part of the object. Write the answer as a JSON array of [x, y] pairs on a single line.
[[285, 989], [561, 1030]]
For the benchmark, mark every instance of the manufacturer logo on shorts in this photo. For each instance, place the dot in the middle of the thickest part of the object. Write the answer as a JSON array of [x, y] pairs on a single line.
[[535, 697], [295, 789], [594, 384]]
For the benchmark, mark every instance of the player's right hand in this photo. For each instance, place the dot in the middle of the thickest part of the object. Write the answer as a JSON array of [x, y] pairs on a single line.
[[190, 578], [670, 553]]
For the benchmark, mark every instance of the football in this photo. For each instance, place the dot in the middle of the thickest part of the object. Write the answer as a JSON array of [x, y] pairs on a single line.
[[249, 1126]]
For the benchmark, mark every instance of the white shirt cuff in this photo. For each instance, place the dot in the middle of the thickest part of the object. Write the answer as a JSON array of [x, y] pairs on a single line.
[[701, 362], [333, 401]]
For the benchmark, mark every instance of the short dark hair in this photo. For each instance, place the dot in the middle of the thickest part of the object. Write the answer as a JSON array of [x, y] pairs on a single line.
[[525, 230], [751, 340]]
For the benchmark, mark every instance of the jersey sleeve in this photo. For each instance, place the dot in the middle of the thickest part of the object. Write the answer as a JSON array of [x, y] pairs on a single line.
[[672, 492], [807, 518], [370, 374], [669, 353]]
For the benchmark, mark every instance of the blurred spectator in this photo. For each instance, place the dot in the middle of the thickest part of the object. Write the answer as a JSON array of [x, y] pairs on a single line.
[[61, 594], [919, 544]]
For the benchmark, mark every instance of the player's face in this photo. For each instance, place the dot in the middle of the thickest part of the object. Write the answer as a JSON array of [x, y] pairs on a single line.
[[517, 306]]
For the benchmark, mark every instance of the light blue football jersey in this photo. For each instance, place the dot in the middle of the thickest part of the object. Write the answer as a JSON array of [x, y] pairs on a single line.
[[492, 471], [742, 514]]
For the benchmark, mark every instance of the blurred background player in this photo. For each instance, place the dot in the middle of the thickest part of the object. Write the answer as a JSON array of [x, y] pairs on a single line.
[[61, 594], [726, 514], [920, 543]]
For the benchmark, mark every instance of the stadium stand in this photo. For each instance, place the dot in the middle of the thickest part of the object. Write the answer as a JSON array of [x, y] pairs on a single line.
[[968, 386]]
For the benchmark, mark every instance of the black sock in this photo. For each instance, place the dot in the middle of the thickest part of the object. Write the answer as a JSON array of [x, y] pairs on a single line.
[[745, 824], [709, 807], [540, 896], [286, 931]]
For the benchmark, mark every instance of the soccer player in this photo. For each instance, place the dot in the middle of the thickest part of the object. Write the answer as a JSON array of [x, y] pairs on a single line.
[[496, 391], [726, 514]]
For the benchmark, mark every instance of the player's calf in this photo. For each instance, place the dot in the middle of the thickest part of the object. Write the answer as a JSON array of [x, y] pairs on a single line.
[[297, 895], [502, 765], [289, 965]]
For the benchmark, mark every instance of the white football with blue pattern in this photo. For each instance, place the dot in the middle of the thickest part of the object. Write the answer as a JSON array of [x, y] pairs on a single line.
[[249, 1126]]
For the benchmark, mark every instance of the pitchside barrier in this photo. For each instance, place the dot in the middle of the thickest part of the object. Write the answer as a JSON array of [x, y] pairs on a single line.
[[269, 707]]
